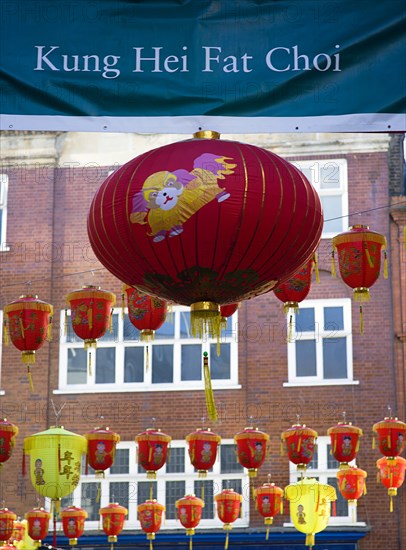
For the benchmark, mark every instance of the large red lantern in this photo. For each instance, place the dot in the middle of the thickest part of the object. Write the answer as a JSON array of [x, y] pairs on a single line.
[[37, 523], [146, 313], [203, 445], [392, 475], [73, 523], [29, 323], [359, 260], [7, 519], [228, 509], [300, 443], [344, 442], [190, 513], [351, 483], [152, 450], [150, 516], [268, 502], [205, 222], [8, 433], [101, 449], [391, 434], [113, 518], [251, 449]]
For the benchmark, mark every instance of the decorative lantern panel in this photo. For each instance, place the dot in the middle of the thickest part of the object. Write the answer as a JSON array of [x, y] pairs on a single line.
[[203, 446], [101, 449], [152, 450], [73, 523], [7, 519], [344, 442], [228, 508], [146, 313], [300, 443], [113, 518], [392, 474], [391, 436], [351, 483], [251, 449], [8, 433], [150, 515], [38, 523]]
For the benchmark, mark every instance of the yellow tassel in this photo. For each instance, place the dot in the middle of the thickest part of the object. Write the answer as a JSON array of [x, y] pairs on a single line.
[[90, 363], [98, 494], [378, 477], [267, 534], [151, 491], [316, 267], [190, 544], [365, 488], [111, 321], [290, 333], [361, 321], [210, 404], [151, 547], [226, 543], [122, 306], [281, 507], [90, 316], [333, 265], [147, 358], [391, 504], [385, 265], [202, 494], [49, 330], [309, 540], [282, 448], [22, 327], [5, 333], [30, 378], [65, 324], [367, 254], [335, 446], [373, 443]]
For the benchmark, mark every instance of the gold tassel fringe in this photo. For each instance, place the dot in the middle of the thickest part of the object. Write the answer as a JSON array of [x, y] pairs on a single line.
[[90, 363], [310, 540], [49, 330], [333, 265], [210, 404], [122, 306], [30, 378], [5, 333], [65, 324], [385, 265], [226, 543], [316, 267], [361, 320]]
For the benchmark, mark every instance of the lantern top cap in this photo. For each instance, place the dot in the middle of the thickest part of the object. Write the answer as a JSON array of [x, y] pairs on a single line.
[[24, 296], [359, 226], [95, 287], [206, 134]]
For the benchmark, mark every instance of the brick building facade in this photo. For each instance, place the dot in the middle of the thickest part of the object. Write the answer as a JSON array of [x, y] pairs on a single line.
[[50, 180]]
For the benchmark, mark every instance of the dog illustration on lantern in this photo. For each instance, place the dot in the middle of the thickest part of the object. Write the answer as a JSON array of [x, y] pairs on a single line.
[[168, 199]]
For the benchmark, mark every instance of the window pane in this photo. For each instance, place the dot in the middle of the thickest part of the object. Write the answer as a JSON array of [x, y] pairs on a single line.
[[144, 491], [67, 501], [121, 462], [333, 319], [162, 364], [134, 364], [119, 491], [129, 330], [235, 484], [220, 367], [176, 461], [167, 330], [304, 320], [333, 222], [341, 502], [185, 330], [111, 336], [335, 357], [329, 176], [105, 365], [229, 463], [332, 463], [208, 510], [174, 491], [89, 500], [77, 366], [306, 358], [191, 365]]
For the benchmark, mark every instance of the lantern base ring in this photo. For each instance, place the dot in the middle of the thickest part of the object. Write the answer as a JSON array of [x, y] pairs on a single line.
[[73, 542], [301, 467], [100, 474], [361, 294], [227, 527], [202, 473], [90, 343], [344, 466], [28, 357], [392, 491], [112, 538], [268, 521], [151, 474], [190, 532], [147, 335], [252, 472], [352, 501], [150, 536]]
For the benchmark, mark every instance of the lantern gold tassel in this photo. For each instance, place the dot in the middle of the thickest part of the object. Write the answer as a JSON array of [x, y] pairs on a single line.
[[49, 330], [385, 265], [151, 546], [147, 358], [316, 267], [190, 544], [310, 540], [5, 333], [361, 320], [111, 321], [30, 379], [98, 494], [65, 324], [373, 442], [90, 363], [210, 404], [122, 306], [226, 543], [22, 327], [90, 316], [267, 534], [290, 333], [282, 452], [333, 265], [202, 493], [391, 504]]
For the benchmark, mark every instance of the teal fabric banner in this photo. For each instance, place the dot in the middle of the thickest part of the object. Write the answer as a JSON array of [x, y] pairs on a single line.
[[179, 65]]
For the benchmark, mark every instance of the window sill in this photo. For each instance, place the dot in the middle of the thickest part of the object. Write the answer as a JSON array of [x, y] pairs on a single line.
[[337, 522], [2, 392], [321, 383], [121, 389]]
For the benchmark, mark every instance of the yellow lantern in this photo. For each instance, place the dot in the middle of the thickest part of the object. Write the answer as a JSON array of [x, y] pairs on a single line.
[[55, 462], [23, 541], [310, 506]]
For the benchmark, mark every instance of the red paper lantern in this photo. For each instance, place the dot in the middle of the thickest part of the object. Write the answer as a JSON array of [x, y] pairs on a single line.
[[344, 442], [392, 475], [190, 513], [91, 311], [101, 449], [351, 483], [251, 449], [38, 523], [205, 222], [146, 313], [300, 443], [152, 450], [228, 509], [268, 502], [73, 523], [391, 434], [113, 518], [7, 519], [203, 445], [29, 323], [150, 516], [8, 433]]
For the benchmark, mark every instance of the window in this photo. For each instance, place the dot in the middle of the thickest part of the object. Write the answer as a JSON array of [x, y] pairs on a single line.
[[3, 210], [320, 351], [329, 177], [324, 468], [128, 486], [122, 362]]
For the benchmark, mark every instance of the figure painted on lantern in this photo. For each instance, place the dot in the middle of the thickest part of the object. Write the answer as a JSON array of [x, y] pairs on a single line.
[[347, 445], [183, 514], [206, 452], [158, 454], [36, 528], [300, 514], [307, 447], [71, 526], [266, 505], [100, 452], [259, 451], [147, 519], [399, 443], [39, 472], [168, 199]]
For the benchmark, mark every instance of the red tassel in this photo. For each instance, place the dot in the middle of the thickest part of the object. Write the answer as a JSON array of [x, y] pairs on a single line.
[[334, 508]]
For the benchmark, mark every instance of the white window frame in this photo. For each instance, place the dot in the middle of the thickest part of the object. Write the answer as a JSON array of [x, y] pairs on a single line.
[[189, 476], [339, 167], [318, 335], [322, 472], [227, 337], [3, 208], [1, 345]]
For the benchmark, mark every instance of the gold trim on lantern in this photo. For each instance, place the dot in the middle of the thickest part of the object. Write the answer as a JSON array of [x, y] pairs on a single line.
[[110, 436], [369, 236], [147, 335], [395, 424], [344, 429], [203, 436], [268, 521], [299, 431], [112, 538], [96, 294], [149, 504], [252, 435], [361, 294], [154, 436], [38, 306], [206, 134]]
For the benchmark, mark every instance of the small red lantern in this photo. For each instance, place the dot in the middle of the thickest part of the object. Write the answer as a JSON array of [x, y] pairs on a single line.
[[391, 436], [8, 433], [101, 449], [7, 519], [269, 502], [190, 513], [227, 311], [38, 523], [344, 442], [228, 509], [251, 449], [203, 445], [91, 313], [29, 322], [113, 518], [147, 313], [392, 475], [359, 260], [73, 523], [351, 483], [152, 450], [300, 443], [150, 516]]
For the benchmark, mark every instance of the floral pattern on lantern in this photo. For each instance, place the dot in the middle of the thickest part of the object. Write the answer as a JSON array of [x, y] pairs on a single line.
[[152, 450], [113, 518], [351, 483], [228, 509], [73, 523], [344, 442], [150, 515], [189, 513], [203, 445], [392, 475], [7, 519], [251, 449], [37, 523], [300, 443], [391, 435], [8, 433], [268, 502], [101, 449], [146, 313]]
